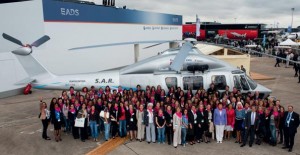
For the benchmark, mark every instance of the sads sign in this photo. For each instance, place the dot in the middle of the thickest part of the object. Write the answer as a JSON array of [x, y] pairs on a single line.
[[69, 12]]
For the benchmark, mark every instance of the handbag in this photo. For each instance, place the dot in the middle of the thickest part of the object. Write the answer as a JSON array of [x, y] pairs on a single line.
[[79, 122], [208, 134], [102, 114]]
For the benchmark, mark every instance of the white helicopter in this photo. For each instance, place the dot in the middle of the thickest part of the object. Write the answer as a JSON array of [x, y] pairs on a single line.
[[237, 35], [184, 67]]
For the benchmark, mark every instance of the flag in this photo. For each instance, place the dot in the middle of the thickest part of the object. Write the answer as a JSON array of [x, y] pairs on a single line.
[[289, 30], [197, 26], [264, 40]]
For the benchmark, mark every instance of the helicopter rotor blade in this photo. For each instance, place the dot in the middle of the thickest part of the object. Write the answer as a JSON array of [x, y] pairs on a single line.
[[181, 56], [40, 41], [122, 43], [251, 51], [12, 39]]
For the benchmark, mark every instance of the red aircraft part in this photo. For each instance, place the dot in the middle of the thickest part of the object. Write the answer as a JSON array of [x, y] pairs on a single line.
[[250, 34], [27, 89]]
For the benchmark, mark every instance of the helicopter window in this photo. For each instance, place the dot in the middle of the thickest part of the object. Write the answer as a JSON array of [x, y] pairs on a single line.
[[171, 81], [244, 83], [219, 81], [251, 82], [236, 80], [194, 83]]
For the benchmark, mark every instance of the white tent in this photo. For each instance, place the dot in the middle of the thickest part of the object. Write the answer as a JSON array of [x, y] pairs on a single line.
[[284, 47], [288, 42], [252, 46]]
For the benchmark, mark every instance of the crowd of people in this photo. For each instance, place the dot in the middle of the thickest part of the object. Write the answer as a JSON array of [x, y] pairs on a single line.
[[175, 117]]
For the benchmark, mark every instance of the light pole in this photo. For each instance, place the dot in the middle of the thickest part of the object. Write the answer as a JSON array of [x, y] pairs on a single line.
[[293, 9]]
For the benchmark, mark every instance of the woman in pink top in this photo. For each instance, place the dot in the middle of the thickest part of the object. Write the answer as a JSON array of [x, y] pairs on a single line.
[[230, 121]]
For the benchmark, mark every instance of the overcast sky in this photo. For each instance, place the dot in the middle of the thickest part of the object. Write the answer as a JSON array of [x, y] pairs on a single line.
[[224, 11]]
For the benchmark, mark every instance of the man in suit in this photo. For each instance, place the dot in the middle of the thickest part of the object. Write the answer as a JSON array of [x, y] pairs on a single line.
[[251, 125], [291, 123]]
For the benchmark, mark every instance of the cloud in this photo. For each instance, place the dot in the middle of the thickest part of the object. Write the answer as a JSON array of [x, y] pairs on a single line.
[[224, 11]]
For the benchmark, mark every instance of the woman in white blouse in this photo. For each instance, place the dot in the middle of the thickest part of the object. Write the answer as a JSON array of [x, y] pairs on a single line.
[[177, 121]]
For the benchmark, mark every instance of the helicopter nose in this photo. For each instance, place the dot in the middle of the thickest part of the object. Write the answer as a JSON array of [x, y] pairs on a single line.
[[263, 90]]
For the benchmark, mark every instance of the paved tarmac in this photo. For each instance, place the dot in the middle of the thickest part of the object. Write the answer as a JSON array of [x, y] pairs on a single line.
[[20, 128]]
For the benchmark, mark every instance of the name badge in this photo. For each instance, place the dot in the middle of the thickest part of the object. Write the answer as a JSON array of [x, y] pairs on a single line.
[[171, 121], [292, 119], [195, 122], [209, 121], [202, 121], [131, 119]]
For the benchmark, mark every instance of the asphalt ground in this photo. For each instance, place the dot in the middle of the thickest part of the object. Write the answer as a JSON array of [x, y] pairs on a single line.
[[20, 128]]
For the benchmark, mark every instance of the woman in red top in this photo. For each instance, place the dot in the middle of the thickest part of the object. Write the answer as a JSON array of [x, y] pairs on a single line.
[[122, 120], [230, 121]]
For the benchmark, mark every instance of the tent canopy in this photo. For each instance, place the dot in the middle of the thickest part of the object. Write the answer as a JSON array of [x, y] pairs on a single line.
[[288, 42]]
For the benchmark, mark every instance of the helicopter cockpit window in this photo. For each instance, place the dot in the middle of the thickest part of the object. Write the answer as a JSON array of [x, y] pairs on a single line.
[[236, 80], [171, 81], [194, 82], [244, 83], [251, 82], [219, 81]]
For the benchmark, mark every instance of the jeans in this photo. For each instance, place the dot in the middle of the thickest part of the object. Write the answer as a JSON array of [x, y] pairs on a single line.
[[273, 133], [107, 130], [183, 135], [67, 124], [150, 132], [161, 135], [94, 130], [122, 128]]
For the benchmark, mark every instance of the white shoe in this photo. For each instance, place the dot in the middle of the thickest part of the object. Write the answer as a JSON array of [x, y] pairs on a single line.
[[183, 145], [220, 141]]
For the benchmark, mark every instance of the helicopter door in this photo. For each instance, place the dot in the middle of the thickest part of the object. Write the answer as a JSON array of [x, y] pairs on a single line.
[[241, 83], [171, 82], [219, 81], [192, 82]]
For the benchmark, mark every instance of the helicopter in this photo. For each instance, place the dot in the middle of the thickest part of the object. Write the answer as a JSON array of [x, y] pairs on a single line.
[[182, 66]]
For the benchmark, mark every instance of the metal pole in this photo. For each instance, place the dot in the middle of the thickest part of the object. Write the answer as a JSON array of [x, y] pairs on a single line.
[[292, 17], [136, 52]]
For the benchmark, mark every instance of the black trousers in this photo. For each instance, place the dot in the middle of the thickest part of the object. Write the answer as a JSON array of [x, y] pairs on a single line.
[[114, 129], [267, 134], [249, 132], [199, 132], [45, 123], [169, 132], [75, 130], [277, 62], [289, 137], [281, 132], [296, 71], [84, 131]]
